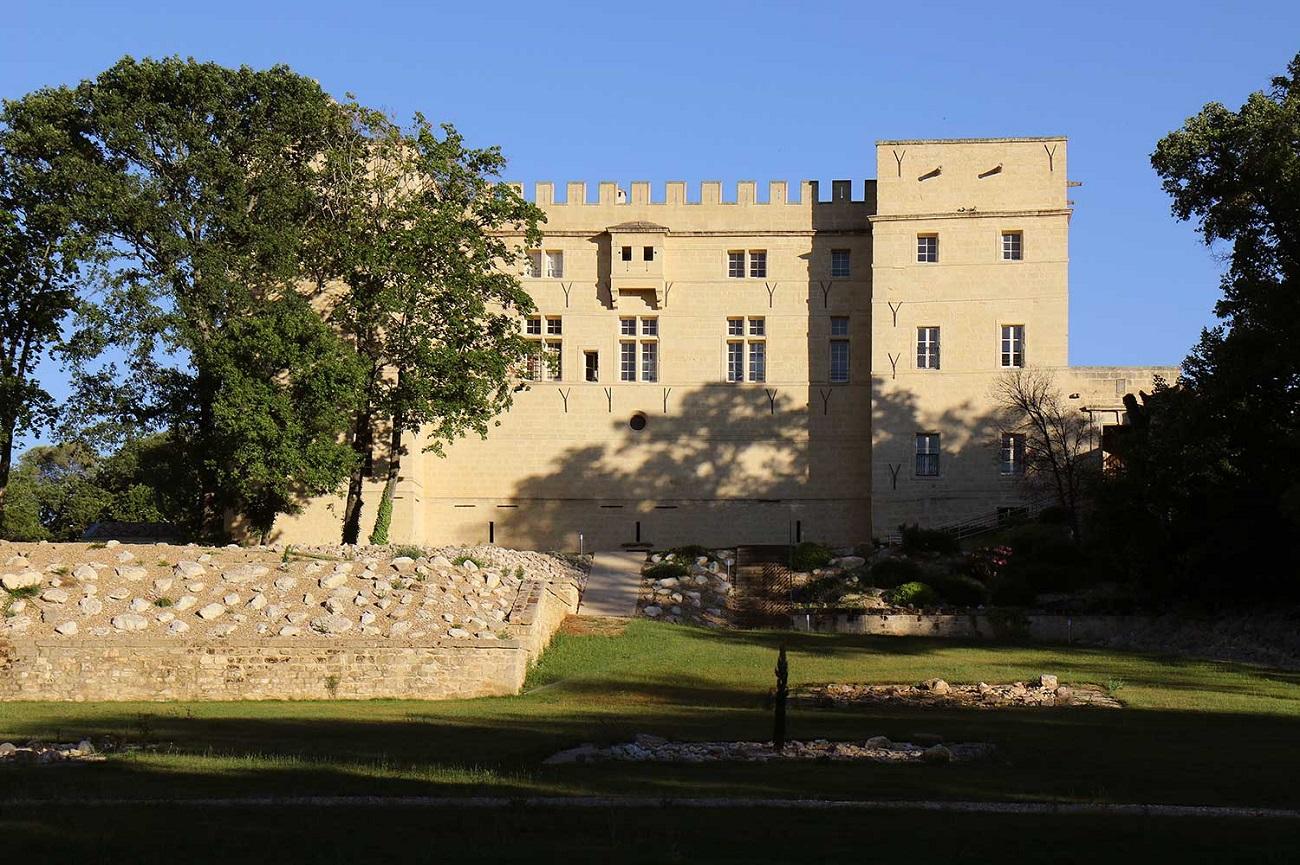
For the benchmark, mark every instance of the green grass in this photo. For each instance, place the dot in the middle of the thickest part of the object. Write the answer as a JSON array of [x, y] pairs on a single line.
[[1193, 732], [539, 835]]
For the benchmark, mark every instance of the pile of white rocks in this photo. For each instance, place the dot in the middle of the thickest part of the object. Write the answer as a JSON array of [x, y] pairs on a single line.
[[105, 591], [1044, 691], [878, 749], [701, 597], [44, 753]]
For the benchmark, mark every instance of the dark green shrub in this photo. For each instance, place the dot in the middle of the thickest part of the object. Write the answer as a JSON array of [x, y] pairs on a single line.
[[411, 552], [917, 540], [820, 590], [1054, 515], [961, 590], [891, 572], [912, 594], [1012, 590], [809, 556], [690, 552], [1045, 559], [664, 570]]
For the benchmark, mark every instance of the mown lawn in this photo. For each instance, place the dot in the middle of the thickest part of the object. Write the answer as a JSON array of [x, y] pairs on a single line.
[[1193, 732]]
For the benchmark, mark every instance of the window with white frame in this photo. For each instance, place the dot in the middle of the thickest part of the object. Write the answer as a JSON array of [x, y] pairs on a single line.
[[746, 342], [840, 263], [1012, 456], [927, 248], [736, 264], [548, 263], [755, 258], [1013, 345], [646, 348], [1012, 245], [839, 349], [627, 361], [591, 365], [927, 347], [927, 455], [545, 354], [554, 325], [649, 361]]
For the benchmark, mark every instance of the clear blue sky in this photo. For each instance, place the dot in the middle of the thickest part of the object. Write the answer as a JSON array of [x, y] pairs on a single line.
[[750, 90]]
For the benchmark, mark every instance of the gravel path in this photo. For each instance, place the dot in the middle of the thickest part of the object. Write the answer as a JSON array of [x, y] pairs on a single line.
[[953, 807]]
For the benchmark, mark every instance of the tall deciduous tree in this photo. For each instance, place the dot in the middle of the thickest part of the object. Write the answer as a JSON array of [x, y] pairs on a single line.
[[418, 233], [1061, 454], [199, 180], [42, 253], [1215, 463]]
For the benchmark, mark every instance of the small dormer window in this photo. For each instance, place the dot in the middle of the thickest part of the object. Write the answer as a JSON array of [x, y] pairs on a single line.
[[648, 253]]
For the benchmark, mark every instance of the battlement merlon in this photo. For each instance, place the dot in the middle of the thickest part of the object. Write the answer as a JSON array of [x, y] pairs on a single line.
[[639, 193]]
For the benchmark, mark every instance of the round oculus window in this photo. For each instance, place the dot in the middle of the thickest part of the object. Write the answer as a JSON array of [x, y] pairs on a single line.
[[637, 422]]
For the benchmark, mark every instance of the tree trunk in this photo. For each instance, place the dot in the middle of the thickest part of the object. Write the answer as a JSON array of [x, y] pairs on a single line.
[[362, 440], [6, 464], [380, 533]]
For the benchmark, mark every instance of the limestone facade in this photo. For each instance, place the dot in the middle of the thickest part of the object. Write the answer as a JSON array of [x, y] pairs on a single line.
[[730, 370]]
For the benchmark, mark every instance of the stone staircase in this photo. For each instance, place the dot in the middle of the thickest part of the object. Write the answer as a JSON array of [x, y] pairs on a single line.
[[762, 587]]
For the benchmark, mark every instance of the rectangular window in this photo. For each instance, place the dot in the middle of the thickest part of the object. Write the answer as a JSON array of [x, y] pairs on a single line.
[[649, 361], [1012, 246], [927, 455], [1013, 454], [627, 253], [758, 263], [627, 326], [533, 325], [555, 265], [839, 325], [758, 327], [648, 253], [591, 365], [927, 248], [758, 361], [735, 327], [627, 361], [736, 265], [927, 348], [1013, 345], [839, 262], [554, 325], [649, 327], [839, 361], [533, 265], [544, 361], [735, 361]]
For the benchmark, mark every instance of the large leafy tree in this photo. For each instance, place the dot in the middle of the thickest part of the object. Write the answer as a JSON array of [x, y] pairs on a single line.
[[199, 181], [1211, 468], [419, 234], [43, 252]]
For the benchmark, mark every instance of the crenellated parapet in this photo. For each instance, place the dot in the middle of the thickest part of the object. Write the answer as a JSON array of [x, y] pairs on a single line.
[[675, 193]]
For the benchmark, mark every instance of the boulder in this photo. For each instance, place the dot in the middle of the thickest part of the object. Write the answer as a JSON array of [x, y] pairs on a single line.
[[177, 627], [652, 611], [333, 581], [290, 631], [25, 580], [130, 622], [90, 606], [286, 584], [67, 629], [85, 572], [331, 624], [185, 602], [937, 754], [935, 686], [458, 633], [188, 570], [402, 564], [54, 596], [212, 611], [880, 743], [1047, 682], [139, 605], [134, 573]]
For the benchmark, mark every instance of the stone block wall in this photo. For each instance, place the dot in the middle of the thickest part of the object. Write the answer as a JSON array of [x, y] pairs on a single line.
[[321, 668]]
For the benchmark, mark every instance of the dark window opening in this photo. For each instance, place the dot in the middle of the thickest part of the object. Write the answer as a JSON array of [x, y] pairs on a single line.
[[649, 253], [627, 253], [591, 360], [637, 422]]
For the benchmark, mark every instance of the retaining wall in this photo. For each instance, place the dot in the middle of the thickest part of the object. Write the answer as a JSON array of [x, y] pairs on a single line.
[[1048, 627], [300, 668]]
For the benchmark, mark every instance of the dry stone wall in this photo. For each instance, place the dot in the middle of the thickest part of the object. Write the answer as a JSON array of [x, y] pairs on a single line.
[[470, 628]]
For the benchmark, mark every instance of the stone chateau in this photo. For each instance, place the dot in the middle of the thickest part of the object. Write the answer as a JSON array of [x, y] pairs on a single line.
[[805, 366]]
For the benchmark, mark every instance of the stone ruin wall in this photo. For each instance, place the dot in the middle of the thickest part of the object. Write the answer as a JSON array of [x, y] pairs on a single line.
[[87, 669]]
